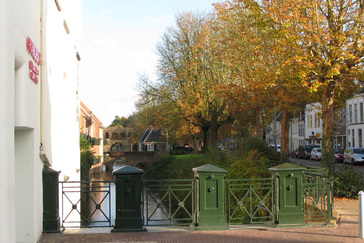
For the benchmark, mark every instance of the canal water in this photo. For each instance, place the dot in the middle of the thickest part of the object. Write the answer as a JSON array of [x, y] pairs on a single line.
[[96, 207]]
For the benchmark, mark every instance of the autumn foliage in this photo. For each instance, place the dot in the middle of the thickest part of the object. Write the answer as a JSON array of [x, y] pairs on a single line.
[[230, 68]]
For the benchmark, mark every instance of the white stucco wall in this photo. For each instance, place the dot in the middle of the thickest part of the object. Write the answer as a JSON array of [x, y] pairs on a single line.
[[20, 106], [7, 204], [61, 86]]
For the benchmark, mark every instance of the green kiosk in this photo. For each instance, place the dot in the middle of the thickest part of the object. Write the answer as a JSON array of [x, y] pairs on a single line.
[[209, 191], [289, 195]]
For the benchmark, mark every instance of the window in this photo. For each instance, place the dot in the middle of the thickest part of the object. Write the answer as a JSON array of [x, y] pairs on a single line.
[[310, 121], [361, 112], [350, 114], [150, 147], [316, 116], [356, 113], [353, 136], [300, 130], [360, 138]]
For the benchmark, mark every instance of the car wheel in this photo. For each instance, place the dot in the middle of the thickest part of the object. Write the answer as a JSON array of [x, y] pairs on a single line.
[[353, 161], [317, 158]]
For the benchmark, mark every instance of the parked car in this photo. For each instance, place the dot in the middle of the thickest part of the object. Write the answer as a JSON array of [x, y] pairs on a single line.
[[316, 154], [339, 155], [304, 151], [354, 155], [278, 147]]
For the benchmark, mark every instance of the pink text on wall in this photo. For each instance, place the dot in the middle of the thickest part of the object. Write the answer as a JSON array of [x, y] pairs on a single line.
[[33, 67]]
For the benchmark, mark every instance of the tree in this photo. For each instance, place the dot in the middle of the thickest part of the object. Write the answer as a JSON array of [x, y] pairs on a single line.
[[86, 155], [189, 77], [329, 40], [120, 121], [257, 52]]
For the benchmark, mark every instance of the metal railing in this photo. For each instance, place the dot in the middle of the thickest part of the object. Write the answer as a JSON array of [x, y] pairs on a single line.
[[168, 202], [318, 197], [86, 204], [249, 200]]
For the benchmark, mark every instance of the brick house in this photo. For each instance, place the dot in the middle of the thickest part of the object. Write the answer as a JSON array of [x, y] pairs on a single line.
[[91, 127]]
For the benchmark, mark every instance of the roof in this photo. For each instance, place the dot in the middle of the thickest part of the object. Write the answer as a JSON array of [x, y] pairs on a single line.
[[151, 135], [87, 112]]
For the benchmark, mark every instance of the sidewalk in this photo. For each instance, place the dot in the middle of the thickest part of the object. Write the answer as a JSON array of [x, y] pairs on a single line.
[[346, 230]]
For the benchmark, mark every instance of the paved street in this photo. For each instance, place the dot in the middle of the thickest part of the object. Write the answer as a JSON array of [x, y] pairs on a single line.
[[359, 168], [345, 230]]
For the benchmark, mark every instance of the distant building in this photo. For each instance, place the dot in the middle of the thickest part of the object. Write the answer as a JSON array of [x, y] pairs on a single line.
[[313, 124], [91, 127], [355, 121], [274, 130], [153, 139], [117, 139]]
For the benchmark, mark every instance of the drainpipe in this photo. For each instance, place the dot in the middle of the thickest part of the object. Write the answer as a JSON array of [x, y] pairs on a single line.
[[42, 153]]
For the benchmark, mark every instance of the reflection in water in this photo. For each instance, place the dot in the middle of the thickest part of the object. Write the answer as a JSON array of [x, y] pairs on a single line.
[[101, 200], [98, 202]]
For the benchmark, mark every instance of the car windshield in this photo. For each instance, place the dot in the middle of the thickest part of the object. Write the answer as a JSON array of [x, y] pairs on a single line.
[[339, 151], [319, 150], [358, 151]]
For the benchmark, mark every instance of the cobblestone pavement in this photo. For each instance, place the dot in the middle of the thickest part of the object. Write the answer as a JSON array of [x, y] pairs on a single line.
[[346, 230]]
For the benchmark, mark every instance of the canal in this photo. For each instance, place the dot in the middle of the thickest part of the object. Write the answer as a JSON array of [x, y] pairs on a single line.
[[92, 204]]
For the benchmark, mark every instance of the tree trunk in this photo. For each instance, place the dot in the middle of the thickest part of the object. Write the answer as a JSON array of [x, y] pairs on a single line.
[[205, 140], [328, 117], [213, 130], [285, 133], [260, 124]]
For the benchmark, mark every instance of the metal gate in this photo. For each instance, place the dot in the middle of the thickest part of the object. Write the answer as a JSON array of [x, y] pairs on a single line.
[[249, 201], [168, 202], [317, 189], [87, 204]]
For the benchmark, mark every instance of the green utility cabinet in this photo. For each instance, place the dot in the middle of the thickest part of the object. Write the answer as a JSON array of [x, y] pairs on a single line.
[[289, 194], [51, 220], [128, 182], [209, 191]]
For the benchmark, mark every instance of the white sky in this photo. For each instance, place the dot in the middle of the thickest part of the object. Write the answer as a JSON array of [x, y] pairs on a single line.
[[118, 43]]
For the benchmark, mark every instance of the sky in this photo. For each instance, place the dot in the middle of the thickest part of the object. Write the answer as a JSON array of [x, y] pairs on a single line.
[[118, 44]]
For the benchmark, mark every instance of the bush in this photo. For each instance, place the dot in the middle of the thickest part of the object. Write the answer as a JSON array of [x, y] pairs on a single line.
[[348, 182], [251, 160], [254, 143], [173, 167], [252, 165]]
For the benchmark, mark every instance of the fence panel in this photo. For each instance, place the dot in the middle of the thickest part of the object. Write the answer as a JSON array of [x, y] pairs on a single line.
[[318, 198], [87, 204], [249, 201], [168, 202]]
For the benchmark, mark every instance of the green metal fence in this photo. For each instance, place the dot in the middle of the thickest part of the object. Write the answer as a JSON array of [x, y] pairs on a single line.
[[168, 202], [249, 200], [318, 196], [86, 204], [174, 202]]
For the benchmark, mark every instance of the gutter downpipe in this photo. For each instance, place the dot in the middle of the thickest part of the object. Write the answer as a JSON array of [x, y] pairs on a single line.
[[42, 153]]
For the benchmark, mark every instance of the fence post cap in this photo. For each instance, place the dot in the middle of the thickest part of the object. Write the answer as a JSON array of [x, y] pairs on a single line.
[[361, 193], [127, 169]]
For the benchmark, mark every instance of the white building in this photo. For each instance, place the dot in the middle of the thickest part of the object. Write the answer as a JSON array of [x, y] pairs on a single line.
[[274, 130], [38, 104], [313, 124], [355, 121]]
